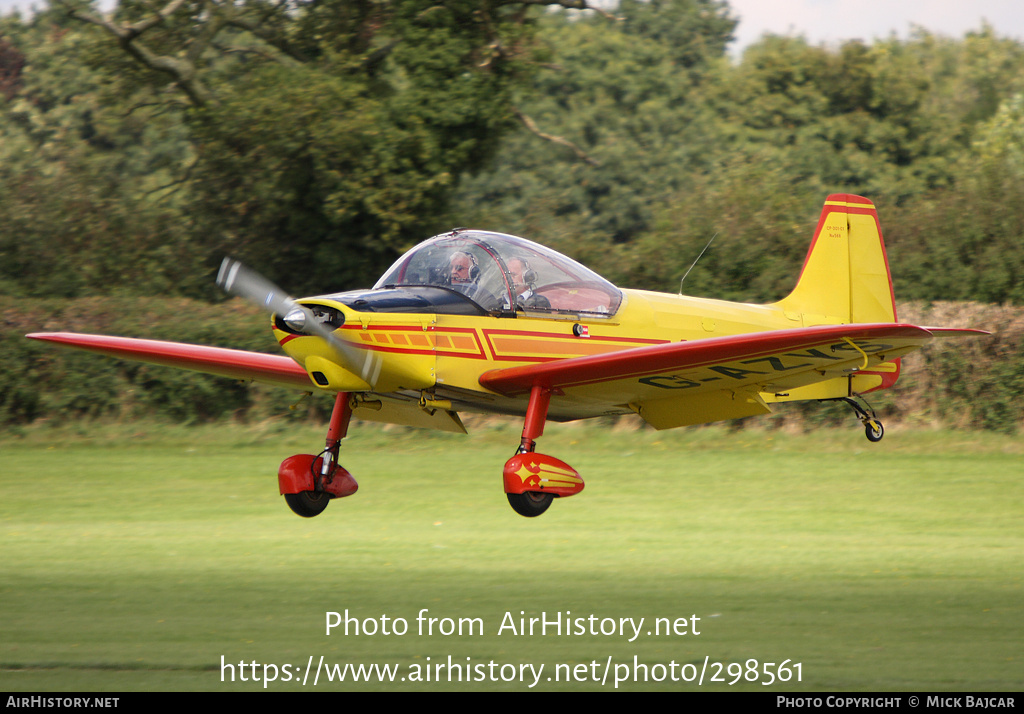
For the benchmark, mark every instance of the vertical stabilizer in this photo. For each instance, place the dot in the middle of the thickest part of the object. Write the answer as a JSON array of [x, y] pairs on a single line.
[[845, 278]]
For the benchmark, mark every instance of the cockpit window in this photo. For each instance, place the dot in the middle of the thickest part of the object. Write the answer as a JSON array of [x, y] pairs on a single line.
[[505, 274]]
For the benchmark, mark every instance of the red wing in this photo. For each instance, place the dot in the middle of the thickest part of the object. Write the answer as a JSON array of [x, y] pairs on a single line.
[[237, 364], [778, 357]]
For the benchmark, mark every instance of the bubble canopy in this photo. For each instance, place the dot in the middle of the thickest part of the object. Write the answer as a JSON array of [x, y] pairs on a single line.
[[504, 274]]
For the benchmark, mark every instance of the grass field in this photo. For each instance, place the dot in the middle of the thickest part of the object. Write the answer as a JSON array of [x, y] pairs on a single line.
[[135, 559]]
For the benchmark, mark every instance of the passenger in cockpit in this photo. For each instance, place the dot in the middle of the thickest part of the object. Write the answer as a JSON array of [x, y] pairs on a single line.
[[524, 280]]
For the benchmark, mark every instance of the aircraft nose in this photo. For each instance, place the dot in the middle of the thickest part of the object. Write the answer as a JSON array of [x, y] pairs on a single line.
[[296, 319]]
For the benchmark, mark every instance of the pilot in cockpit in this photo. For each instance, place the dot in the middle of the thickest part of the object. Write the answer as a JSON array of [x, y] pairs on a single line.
[[464, 276], [463, 268]]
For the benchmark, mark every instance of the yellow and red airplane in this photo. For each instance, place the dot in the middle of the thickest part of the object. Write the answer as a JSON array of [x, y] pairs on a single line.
[[485, 322]]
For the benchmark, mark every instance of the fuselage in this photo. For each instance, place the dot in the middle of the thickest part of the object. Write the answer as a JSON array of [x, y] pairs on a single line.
[[468, 302], [440, 355]]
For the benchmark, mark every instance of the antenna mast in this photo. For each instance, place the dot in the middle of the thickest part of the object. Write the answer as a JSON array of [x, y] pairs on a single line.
[[694, 263]]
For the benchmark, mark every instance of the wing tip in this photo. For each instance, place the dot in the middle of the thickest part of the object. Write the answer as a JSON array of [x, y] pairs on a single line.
[[956, 331], [48, 336]]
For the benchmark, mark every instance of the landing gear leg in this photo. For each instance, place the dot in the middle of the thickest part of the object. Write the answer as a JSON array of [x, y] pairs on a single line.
[[873, 429], [533, 480], [307, 482], [337, 430], [536, 416]]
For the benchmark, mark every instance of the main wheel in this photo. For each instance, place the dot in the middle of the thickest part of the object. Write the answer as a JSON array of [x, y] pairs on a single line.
[[308, 503], [530, 504], [874, 430]]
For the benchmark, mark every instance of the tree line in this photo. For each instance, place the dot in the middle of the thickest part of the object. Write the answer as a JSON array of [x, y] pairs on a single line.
[[319, 139]]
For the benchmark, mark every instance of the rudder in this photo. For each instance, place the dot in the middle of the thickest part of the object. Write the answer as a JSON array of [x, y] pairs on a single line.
[[845, 278]]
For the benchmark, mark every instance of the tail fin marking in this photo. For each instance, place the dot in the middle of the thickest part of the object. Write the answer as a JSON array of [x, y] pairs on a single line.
[[845, 277]]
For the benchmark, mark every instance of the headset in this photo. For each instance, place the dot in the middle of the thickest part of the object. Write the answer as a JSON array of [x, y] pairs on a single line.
[[529, 277], [474, 265]]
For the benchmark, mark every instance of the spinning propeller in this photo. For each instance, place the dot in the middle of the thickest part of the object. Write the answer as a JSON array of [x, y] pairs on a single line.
[[243, 282]]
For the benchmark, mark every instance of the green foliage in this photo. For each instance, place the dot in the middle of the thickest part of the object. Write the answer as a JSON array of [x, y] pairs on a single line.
[[39, 381], [627, 95], [748, 150], [80, 178], [760, 238], [982, 393], [328, 136], [318, 140], [693, 31], [968, 243]]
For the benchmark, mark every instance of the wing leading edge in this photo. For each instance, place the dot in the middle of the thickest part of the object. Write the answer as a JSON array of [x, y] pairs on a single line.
[[237, 364]]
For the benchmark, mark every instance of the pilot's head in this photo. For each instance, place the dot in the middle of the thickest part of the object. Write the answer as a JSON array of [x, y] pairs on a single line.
[[462, 267], [522, 276]]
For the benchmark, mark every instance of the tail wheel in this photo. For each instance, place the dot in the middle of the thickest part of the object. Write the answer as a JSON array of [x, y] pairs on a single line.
[[874, 430], [531, 503], [308, 503]]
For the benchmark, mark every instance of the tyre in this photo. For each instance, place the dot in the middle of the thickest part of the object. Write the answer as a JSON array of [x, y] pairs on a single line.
[[874, 430], [530, 504], [308, 503]]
